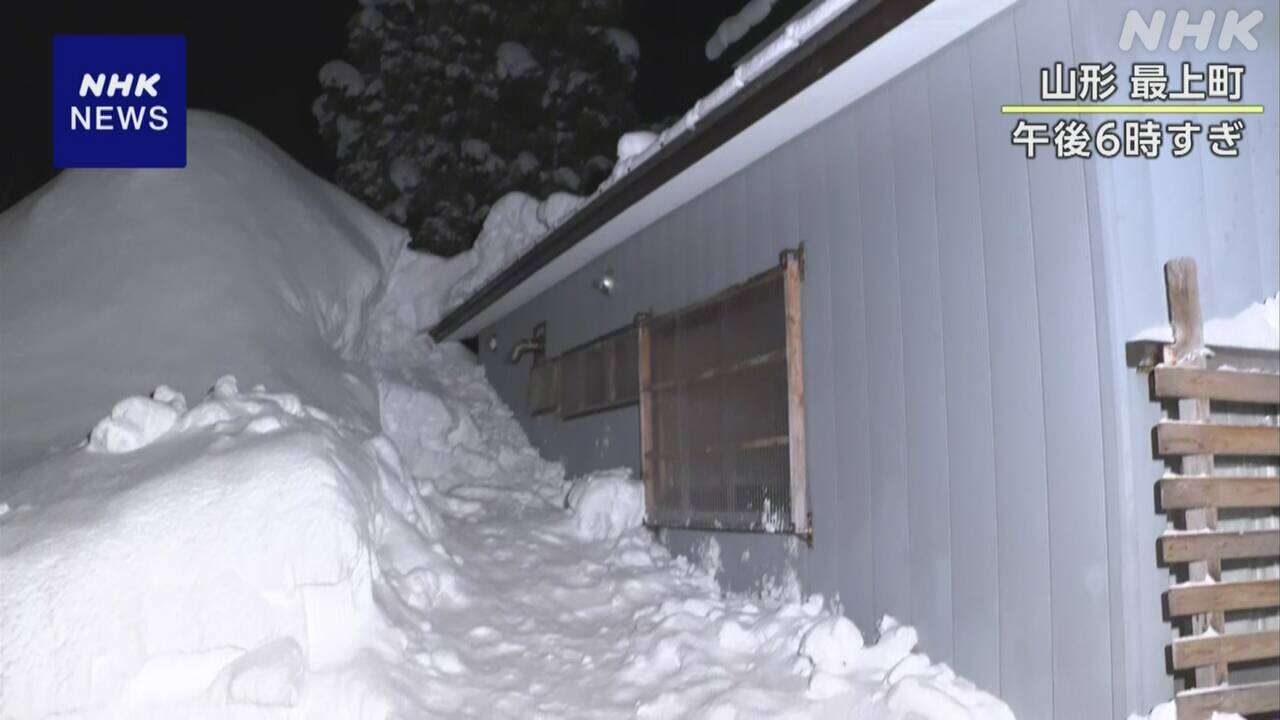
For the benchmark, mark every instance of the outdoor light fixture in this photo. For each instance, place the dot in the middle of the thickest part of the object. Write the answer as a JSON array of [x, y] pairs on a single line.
[[606, 283], [493, 343]]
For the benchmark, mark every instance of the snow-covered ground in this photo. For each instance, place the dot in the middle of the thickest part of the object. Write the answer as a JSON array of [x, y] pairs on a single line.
[[368, 535]]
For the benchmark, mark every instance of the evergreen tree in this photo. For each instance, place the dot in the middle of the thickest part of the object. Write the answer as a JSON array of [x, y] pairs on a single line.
[[443, 106]]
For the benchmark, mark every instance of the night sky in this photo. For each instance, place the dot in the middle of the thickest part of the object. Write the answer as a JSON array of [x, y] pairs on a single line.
[[258, 62]]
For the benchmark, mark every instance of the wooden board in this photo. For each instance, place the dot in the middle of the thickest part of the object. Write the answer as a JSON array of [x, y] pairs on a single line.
[[1182, 290], [1222, 491], [647, 459], [1219, 545], [1185, 438], [795, 395], [1202, 598], [544, 387], [1246, 387], [1212, 649], [1244, 699]]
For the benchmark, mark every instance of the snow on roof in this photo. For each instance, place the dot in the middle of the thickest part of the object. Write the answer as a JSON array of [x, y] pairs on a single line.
[[919, 36]]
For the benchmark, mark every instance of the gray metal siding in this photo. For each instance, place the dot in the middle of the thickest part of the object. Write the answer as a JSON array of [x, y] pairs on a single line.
[[979, 457]]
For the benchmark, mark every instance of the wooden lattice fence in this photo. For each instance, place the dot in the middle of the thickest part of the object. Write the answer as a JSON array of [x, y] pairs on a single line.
[[1222, 443]]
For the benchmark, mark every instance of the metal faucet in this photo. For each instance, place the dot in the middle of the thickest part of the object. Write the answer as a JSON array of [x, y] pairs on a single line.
[[537, 344]]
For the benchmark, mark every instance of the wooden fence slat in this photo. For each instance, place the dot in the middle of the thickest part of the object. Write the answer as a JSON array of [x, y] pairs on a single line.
[[1243, 699], [1211, 649], [1202, 598], [1219, 545], [1223, 491], [1183, 438], [1245, 387]]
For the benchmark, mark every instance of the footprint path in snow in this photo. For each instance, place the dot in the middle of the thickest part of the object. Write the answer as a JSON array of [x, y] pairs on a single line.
[[539, 622]]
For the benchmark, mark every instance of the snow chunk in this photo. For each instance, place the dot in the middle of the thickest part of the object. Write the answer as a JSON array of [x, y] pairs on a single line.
[[909, 685], [404, 174], [624, 44], [342, 76], [736, 26], [513, 225], [515, 61], [1257, 326], [634, 143], [606, 504], [136, 422]]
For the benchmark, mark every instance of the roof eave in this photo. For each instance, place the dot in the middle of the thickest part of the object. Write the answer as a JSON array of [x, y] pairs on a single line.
[[846, 35]]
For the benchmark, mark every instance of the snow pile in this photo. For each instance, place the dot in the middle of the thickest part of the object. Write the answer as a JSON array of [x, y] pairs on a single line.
[[117, 281], [890, 674], [234, 560], [1257, 326], [546, 620], [606, 504], [514, 224], [735, 27]]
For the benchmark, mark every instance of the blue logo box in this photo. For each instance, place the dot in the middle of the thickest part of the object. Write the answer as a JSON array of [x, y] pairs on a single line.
[[120, 101]]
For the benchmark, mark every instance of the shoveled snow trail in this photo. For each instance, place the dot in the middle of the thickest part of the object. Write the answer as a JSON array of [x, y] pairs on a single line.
[[548, 613]]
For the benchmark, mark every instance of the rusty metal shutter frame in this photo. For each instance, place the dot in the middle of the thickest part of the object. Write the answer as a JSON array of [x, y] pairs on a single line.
[[722, 409]]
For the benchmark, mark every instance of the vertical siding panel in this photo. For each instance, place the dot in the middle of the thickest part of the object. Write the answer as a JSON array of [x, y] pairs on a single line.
[[929, 500], [1231, 222], [721, 244], [1026, 640], [785, 200], [1263, 140], [815, 232], [756, 211], [1072, 397], [975, 574], [739, 219], [884, 334], [666, 264], [850, 346]]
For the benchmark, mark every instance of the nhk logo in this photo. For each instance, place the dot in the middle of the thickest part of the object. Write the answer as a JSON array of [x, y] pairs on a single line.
[[119, 101]]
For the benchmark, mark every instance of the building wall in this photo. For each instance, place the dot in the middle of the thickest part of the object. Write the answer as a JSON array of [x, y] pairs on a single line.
[[978, 456]]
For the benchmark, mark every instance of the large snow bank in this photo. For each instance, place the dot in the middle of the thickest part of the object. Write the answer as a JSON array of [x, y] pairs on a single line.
[[1257, 326], [115, 281], [230, 560]]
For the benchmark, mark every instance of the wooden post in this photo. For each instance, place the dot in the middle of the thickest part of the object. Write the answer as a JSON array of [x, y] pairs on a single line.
[[792, 265], [648, 462], [1188, 351]]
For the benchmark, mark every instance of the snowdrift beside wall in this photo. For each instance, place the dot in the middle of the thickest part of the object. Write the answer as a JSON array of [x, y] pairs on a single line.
[[115, 281]]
